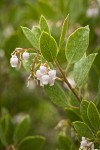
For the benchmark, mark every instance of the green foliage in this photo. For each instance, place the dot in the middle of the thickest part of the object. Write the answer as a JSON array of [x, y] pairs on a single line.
[[82, 67], [28, 64], [57, 95], [65, 143], [22, 128], [32, 36], [93, 116], [48, 47], [72, 115], [32, 142], [83, 129], [77, 44], [43, 25], [83, 111], [63, 32]]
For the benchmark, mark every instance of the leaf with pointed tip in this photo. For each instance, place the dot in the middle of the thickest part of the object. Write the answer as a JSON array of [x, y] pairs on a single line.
[[48, 47], [31, 36], [57, 95], [82, 68], [32, 143], [77, 44], [63, 32], [83, 111], [22, 128], [83, 129], [94, 116], [43, 24]]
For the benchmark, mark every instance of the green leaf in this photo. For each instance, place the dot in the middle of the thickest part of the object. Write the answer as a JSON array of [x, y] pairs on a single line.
[[77, 44], [2, 136], [63, 32], [98, 135], [65, 143], [57, 95], [32, 143], [28, 64], [82, 67], [22, 128], [83, 129], [72, 115], [83, 111], [48, 47], [37, 32], [43, 24], [94, 116], [32, 36]]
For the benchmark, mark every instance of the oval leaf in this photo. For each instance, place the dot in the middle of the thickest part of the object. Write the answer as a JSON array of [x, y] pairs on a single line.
[[77, 44], [63, 32], [83, 111], [94, 116], [72, 115], [32, 37], [83, 129], [22, 128], [82, 68], [43, 24], [57, 95], [48, 47], [32, 143]]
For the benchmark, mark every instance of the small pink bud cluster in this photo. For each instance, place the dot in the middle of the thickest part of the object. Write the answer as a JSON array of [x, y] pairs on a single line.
[[86, 145], [46, 77], [14, 59]]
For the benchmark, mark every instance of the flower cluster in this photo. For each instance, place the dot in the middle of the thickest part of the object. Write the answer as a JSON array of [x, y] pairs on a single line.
[[14, 59], [86, 145], [46, 76]]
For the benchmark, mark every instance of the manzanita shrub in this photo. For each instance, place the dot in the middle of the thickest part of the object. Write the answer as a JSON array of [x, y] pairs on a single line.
[[42, 62]]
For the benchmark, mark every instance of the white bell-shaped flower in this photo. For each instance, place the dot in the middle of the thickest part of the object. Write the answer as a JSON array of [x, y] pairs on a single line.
[[14, 61], [52, 73], [25, 56], [43, 69], [38, 74], [45, 79]]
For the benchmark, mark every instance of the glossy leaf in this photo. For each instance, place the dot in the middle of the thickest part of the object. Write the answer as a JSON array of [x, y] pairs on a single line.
[[22, 128], [43, 24], [83, 129], [77, 44], [32, 143], [48, 47], [94, 116], [32, 37], [57, 95], [82, 67], [63, 32]]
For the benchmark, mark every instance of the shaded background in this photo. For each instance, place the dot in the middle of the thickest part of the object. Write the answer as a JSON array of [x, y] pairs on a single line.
[[14, 95]]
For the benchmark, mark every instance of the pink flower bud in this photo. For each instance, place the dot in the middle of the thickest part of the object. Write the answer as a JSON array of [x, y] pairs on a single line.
[[43, 69], [25, 56]]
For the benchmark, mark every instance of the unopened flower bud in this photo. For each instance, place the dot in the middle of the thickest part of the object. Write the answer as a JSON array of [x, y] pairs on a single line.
[[43, 69], [45, 79], [38, 74], [25, 56], [14, 61]]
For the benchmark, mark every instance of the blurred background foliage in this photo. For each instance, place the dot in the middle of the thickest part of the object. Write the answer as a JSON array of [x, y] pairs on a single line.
[[14, 95]]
